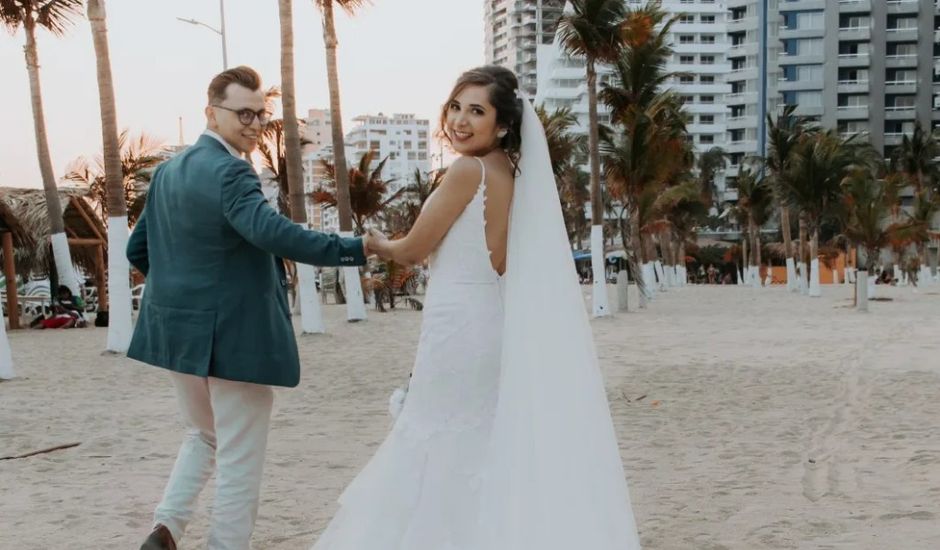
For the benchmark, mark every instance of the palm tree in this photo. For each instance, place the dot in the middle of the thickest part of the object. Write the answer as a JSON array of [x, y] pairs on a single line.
[[368, 192], [565, 149], [54, 16], [355, 308], [273, 150], [139, 155], [293, 170], [709, 164], [819, 164], [593, 29], [119, 289], [866, 207], [418, 192], [640, 69], [684, 210], [783, 134], [755, 198]]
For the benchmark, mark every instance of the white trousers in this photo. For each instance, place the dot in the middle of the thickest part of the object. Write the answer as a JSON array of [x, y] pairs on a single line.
[[226, 431]]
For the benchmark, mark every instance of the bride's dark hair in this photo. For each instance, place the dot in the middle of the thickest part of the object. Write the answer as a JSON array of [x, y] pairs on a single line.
[[503, 86]]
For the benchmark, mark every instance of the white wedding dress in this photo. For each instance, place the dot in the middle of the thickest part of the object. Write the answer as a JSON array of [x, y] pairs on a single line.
[[498, 447]]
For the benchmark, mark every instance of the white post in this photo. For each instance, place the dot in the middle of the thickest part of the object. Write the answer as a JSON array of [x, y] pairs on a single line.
[[814, 290], [6, 357], [355, 303], [599, 287], [897, 275], [311, 314], [792, 284], [872, 288], [623, 291], [835, 276], [861, 290], [660, 275], [63, 263], [769, 278], [120, 323], [847, 272], [649, 280]]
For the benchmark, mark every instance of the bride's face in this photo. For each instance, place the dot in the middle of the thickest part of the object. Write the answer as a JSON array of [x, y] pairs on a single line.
[[471, 122]]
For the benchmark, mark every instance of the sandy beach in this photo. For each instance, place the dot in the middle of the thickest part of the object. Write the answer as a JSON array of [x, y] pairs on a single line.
[[748, 419]]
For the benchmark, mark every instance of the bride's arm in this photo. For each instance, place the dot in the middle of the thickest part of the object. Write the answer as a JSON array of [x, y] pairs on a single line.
[[458, 188]]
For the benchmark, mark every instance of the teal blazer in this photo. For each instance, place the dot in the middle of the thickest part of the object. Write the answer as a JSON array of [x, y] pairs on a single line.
[[210, 245]]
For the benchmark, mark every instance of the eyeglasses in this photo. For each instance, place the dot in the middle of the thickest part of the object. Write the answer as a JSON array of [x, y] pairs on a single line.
[[247, 116]]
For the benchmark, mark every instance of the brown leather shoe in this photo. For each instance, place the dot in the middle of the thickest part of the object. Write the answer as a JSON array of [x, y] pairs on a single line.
[[159, 539]]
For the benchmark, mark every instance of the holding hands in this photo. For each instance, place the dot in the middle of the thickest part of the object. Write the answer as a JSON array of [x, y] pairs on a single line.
[[375, 242]]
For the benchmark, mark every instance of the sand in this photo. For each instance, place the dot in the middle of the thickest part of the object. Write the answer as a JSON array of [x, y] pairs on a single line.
[[748, 419]]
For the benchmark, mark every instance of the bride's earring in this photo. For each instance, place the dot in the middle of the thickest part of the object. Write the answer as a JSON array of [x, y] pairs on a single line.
[[501, 134]]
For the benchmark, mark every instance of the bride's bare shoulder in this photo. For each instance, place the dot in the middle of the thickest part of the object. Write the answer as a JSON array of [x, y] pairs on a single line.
[[499, 168]]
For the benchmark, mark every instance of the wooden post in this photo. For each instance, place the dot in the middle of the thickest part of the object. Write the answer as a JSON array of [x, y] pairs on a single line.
[[100, 281], [9, 271]]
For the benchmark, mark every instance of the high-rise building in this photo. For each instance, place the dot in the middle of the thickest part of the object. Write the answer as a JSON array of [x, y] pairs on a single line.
[[401, 138], [514, 29], [317, 130], [753, 55], [862, 66], [700, 48]]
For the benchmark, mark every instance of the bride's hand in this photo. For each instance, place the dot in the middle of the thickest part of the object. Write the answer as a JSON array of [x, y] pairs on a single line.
[[378, 242]]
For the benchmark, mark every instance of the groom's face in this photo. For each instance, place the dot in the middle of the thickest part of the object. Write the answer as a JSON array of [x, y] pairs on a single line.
[[224, 117]]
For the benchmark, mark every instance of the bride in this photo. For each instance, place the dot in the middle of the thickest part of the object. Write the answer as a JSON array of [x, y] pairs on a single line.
[[505, 440]]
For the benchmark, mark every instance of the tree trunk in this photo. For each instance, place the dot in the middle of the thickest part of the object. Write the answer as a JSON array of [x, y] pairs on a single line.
[[343, 205], [63, 260], [814, 288], [295, 179], [786, 232], [355, 301], [115, 296], [597, 203], [802, 249], [311, 315]]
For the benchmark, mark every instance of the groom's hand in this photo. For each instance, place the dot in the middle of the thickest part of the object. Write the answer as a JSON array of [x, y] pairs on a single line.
[[377, 242]]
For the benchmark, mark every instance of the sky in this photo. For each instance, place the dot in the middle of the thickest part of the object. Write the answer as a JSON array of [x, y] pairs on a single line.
[[395, 56]]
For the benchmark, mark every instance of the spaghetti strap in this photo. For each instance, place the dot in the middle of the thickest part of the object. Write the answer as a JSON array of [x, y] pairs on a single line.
[[483, 167]]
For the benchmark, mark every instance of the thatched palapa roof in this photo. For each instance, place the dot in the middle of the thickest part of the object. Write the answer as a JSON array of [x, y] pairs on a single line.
[[28, 210]]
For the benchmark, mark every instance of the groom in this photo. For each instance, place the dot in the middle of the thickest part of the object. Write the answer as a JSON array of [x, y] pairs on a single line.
[[215, 309]]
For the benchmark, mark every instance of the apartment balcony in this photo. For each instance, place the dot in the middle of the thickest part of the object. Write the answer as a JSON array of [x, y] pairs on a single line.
[[854, 6], [701, 47], [852, 112], [901, 87], [901, 35], [799, 85], [805, 110], [741, 122], [900, 113], [786, 33], [699, 88], [741, 98], [800, 59], [904, 60], [743, 24], [742, 50], [737, 75], [699, 68], [894, 138], [852, 86], [902, 6], [708, 108], [568, 73], [802, 5], [854, 60], [855, 33]]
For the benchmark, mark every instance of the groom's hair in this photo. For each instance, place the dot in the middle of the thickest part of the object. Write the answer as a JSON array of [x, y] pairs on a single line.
[[241, 75]]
